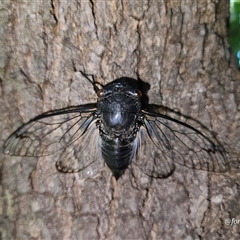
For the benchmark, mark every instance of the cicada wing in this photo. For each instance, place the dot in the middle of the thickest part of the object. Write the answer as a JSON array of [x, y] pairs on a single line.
[[184, 144], [66, 131], [49, 132], [149, 159], [83, 151]]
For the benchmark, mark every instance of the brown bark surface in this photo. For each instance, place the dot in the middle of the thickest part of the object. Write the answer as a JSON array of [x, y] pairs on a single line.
[[180, 48]]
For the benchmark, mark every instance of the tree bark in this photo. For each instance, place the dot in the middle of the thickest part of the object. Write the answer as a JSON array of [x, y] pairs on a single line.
[[180, 48]]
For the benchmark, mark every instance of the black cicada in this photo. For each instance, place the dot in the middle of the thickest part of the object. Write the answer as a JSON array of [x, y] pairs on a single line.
[[117, 129]]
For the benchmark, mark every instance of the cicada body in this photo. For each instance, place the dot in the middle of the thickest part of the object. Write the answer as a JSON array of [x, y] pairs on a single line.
[[119, 109]]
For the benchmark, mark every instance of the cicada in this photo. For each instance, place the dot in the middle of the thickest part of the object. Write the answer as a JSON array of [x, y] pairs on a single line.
[[120, 131]]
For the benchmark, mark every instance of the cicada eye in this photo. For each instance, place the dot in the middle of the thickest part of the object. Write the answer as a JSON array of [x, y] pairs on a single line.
[[100, 93], [138, 93]]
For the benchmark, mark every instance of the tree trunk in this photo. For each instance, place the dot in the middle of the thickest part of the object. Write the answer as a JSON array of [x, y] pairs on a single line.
[[180, 48]]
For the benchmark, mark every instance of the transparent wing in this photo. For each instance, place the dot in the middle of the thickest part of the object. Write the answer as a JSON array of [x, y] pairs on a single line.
[[184, 144], [82, 152], [149, 159], [68, 131]]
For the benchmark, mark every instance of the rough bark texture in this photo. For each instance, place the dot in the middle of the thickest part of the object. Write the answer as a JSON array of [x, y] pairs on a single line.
[[181, 49]]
